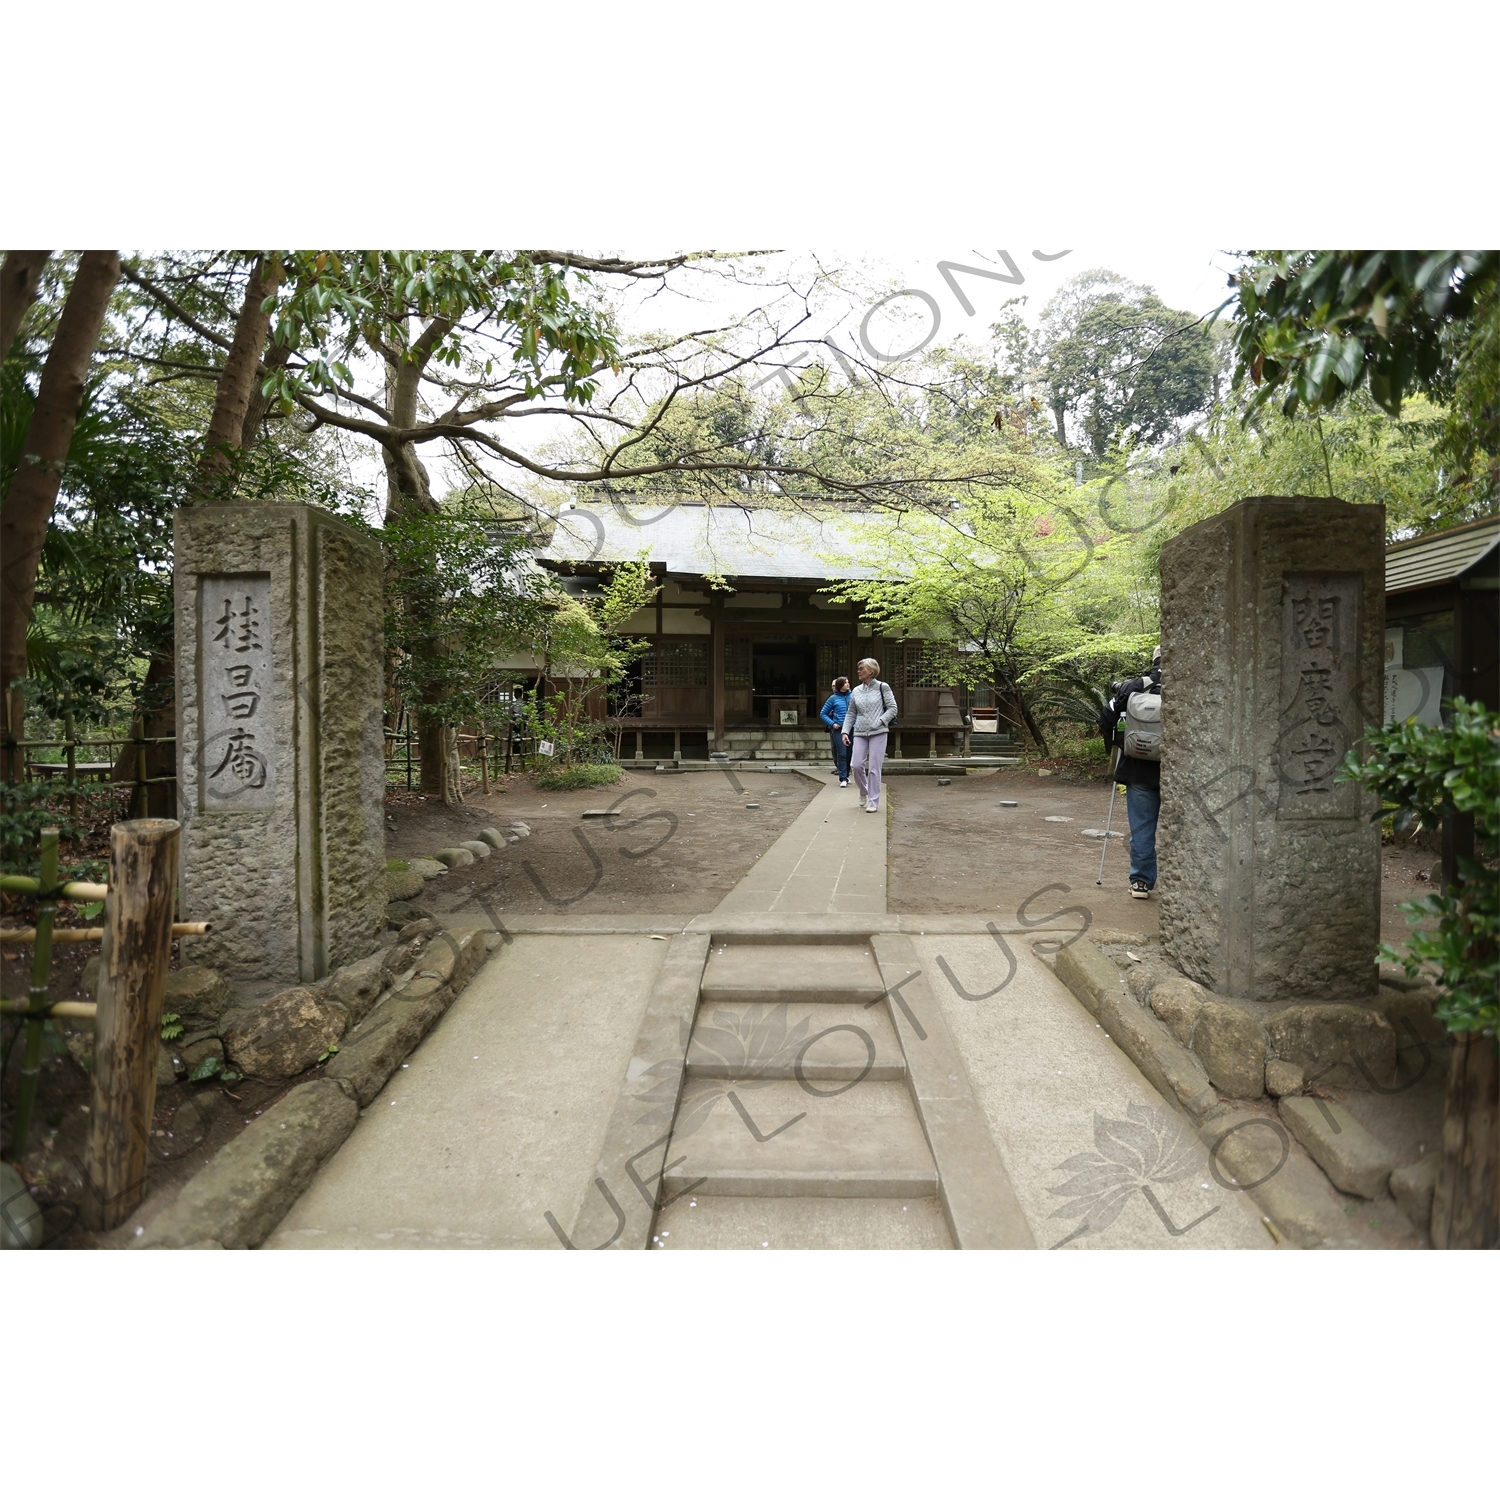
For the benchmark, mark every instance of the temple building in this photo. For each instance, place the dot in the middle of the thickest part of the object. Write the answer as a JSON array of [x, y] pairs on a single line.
[[745, 640]]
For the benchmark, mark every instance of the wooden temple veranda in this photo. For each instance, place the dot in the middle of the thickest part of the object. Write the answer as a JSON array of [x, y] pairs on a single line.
[[744, 669]]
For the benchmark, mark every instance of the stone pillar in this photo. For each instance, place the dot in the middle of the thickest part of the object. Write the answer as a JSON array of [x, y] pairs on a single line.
[[1273, 621], [280, 749]]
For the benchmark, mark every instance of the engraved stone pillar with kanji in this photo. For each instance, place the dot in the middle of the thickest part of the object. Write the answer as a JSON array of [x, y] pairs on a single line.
[[280, 738], [1273, 617]]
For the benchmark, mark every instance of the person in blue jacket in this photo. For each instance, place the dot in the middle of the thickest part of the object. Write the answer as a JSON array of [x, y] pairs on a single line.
[[833, 716]]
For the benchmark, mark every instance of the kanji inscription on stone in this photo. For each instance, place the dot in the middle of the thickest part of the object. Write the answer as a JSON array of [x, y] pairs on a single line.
[[238, 728], [1318, 718]]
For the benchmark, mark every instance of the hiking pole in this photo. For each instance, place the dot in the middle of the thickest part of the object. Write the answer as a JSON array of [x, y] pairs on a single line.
[[1114, 786]]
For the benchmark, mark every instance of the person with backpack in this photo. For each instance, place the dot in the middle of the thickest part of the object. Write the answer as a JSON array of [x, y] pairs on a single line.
[[832, 714], [1132, 719], [867, 722]]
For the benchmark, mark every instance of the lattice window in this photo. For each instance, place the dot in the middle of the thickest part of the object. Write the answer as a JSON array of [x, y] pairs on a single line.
[[675, 664], [833, 661], [736, 664], [927, 664]]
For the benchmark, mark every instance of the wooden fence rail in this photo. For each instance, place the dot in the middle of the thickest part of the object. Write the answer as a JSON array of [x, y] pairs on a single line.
[[19, 766]]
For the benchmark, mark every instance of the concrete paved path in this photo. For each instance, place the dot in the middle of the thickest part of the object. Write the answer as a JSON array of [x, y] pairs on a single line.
[[1077, 1125], [494, 1131], [498, 1118], [831, 860]]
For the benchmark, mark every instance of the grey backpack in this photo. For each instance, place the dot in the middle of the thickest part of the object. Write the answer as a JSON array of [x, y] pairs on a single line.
[[1143, 725]]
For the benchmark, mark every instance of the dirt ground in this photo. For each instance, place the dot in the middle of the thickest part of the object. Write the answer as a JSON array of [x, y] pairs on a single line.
[[682, 841], [680, 844], [956, 849]]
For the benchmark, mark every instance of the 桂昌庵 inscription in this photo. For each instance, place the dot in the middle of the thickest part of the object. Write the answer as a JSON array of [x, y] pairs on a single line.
[[237, 757]]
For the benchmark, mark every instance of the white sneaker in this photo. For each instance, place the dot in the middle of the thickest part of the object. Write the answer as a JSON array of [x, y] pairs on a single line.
[[872, 807], [843, 783]]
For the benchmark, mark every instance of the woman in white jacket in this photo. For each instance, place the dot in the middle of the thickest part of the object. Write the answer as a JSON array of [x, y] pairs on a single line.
[[871, 712]]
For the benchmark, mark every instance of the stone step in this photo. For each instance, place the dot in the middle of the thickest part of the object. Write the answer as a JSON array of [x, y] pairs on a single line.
[[866, 1142], [773, 1041], [722, 1223], [750, 973]]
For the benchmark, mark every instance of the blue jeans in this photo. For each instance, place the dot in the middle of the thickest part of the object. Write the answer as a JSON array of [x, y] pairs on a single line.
[[840, 753], [1143, 803]]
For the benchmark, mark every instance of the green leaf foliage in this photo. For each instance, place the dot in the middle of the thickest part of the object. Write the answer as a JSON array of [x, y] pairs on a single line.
[[1423, 774], [1314, 326], [569, 778]]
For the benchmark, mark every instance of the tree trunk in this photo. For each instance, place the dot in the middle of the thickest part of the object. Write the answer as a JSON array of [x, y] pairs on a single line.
[[1060, 420], [409, 491], [1032, 727], [33, 491], [19, 279], [1466, 1203], [237, 382], [259, 405]]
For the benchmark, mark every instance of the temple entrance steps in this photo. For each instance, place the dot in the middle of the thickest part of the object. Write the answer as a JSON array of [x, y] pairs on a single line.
[[796, 1127], [778, 744]]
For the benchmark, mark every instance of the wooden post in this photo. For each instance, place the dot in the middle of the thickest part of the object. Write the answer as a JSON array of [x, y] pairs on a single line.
[[1466, 1203], [716, 676], [127, 1034], [484, 765]]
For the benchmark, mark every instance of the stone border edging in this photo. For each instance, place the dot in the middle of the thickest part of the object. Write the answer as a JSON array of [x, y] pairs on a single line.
[[245, 1190], [1291, 1191], [975, 1192], [1171, 1069], [627, 1156]]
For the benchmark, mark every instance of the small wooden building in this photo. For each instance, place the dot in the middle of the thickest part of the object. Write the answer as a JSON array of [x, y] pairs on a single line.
[[745, 640], [1442, 618]]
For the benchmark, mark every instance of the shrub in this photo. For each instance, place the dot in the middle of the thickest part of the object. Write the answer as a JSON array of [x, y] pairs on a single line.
[[1423, 774], [566, 778]]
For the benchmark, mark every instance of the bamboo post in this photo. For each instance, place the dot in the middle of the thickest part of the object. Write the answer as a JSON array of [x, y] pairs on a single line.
[[72, 772], [484, 765], [138, 801], [127, 1033], [41, 966]]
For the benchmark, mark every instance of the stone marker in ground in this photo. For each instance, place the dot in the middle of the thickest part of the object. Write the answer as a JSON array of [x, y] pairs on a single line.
[[1412, 1187], [197, 996], [1272, 640], [402, 885], [283, 1035], [1232, 1049], [281, 769], [1283, 1078], [1355, 1161]]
